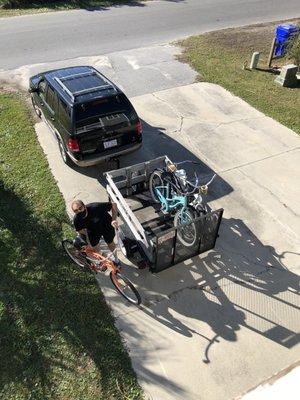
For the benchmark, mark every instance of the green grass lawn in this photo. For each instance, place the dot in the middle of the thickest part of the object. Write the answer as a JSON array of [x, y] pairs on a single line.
[[42, 6], [58, 339], [219, 56]]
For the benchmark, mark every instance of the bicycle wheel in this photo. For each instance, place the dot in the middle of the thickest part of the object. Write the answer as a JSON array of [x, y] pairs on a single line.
[[125, 288], [75, 255], [155, 181], [186, 229]]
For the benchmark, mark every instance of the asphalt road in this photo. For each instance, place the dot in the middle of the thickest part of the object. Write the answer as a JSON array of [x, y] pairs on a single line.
[[60, 36]]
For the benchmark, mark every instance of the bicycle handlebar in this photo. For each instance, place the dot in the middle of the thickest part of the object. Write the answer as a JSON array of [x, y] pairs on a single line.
[[195, 185], [209, 182], [187, 161]]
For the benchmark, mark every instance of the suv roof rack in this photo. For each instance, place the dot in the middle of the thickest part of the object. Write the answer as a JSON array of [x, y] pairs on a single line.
[[73, 95]]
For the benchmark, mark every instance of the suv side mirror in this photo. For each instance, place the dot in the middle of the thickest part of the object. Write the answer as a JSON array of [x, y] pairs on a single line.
[[33, 90]]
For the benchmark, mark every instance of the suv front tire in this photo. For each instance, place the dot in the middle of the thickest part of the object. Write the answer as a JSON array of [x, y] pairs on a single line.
[[36, 109]]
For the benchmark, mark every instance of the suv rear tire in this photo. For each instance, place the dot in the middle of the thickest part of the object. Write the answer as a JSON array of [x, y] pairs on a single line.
[[64, 155]]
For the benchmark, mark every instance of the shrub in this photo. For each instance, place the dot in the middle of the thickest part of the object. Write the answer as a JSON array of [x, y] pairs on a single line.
[[14, 3], [293, 48], [27, 3]]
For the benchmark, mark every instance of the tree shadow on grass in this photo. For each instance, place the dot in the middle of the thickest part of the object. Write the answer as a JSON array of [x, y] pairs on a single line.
[[56, 329]]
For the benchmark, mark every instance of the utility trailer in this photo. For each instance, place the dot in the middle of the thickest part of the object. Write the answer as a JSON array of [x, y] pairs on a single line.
[[148, 236]]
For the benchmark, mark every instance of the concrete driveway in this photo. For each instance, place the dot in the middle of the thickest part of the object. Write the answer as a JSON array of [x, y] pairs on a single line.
[[216, 325], [219, 324]]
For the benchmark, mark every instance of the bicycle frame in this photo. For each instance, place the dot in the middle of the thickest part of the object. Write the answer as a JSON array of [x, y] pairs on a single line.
[[95, 257], [170, 203]]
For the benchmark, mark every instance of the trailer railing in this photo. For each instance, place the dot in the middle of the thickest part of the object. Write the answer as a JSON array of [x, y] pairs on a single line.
[[125, 180]]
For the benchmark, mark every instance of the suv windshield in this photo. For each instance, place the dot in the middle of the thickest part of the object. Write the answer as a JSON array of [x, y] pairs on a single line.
[[100, 107]]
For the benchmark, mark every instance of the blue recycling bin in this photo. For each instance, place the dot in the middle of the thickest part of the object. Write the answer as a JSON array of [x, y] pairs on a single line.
[[283, 34]]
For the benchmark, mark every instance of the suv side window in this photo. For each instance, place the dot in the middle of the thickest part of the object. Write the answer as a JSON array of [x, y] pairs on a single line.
[[51, 99], [64, 113]]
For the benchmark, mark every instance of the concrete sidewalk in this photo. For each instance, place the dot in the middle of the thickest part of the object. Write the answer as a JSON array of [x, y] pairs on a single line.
[[216, 325]]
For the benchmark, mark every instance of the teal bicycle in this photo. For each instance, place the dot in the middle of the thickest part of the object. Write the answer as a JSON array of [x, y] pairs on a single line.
[[175, 193]]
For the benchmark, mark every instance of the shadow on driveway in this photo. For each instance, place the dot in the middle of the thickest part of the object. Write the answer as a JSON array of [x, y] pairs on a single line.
[[157, 143], [240, 284]]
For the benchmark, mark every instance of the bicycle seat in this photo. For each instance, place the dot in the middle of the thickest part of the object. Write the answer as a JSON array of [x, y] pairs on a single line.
[[79, 242], [168, 176]]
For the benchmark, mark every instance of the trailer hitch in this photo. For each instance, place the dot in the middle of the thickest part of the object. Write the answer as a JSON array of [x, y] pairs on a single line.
[[116, 160]]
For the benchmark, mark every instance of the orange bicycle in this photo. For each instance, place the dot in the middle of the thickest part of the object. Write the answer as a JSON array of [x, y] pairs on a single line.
[[88, 260]]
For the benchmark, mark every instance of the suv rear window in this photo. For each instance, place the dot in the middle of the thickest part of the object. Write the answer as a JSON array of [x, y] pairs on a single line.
[[104, 106]]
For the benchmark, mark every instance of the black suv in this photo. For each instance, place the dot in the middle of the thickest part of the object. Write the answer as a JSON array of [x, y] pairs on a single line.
[[91, 117]]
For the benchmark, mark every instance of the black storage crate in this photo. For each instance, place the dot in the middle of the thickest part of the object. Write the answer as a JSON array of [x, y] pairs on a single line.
[[151, 234]]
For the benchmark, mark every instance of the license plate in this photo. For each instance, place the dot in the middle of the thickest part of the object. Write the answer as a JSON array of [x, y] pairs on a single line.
[[110, 143]]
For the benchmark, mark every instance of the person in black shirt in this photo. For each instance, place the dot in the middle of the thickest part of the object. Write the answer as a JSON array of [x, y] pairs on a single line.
[[94, 221]]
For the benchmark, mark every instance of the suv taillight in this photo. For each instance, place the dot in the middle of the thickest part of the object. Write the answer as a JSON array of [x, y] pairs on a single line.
[[73, 145], [139, 128]]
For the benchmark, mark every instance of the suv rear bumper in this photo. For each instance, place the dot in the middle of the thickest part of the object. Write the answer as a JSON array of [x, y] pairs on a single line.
[[101, 158]]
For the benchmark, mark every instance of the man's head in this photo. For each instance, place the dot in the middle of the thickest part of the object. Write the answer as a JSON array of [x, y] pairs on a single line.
[[78, 207]]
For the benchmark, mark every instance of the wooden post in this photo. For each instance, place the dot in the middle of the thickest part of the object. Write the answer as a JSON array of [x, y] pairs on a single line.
[[271, 52]]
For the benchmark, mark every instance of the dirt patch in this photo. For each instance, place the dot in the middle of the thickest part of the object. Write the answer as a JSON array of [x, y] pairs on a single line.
[[245, 40], [7, 87]]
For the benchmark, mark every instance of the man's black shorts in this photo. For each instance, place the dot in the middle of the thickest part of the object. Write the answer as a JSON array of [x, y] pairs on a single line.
[[108, 234]]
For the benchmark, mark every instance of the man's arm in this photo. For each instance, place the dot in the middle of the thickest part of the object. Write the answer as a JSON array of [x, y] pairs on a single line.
[[84, 232], [114, 215]]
